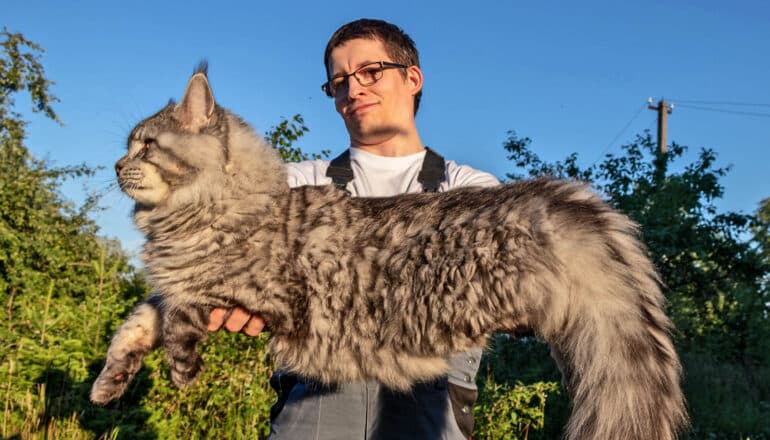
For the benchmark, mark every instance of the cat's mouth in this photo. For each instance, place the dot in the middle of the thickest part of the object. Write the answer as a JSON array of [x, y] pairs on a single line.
[[149, 195], [127, 187]]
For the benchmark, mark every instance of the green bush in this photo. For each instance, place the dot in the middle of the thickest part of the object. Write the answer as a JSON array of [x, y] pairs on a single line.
[[505, 412]]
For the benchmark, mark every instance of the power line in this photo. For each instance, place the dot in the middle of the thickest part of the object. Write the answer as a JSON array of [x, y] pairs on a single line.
[[732, 103], [625, 127], [719, 110], [652, 122], [620, 133]]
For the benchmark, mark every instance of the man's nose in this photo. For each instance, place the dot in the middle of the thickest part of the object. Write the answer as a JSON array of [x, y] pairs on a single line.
[[353, 86]]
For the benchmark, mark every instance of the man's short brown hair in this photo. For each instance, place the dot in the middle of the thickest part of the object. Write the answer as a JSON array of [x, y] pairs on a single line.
[[399, 46]]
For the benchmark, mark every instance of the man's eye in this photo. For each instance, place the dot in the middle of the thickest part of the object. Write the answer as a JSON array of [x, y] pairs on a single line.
[[370, 73]]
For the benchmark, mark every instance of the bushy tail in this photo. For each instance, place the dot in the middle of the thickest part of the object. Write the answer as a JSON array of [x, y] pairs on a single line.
[[611, 337]]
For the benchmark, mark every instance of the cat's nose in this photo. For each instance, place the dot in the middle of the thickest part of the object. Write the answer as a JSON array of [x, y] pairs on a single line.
[[119, 166]]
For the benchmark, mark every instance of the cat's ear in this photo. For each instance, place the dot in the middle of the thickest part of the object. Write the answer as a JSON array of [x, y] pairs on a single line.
[[196, 110]]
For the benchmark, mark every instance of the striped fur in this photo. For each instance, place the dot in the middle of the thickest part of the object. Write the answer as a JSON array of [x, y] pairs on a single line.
[[384, 289]]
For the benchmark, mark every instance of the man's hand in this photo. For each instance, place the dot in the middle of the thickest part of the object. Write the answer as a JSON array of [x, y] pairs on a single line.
[[239, 321]]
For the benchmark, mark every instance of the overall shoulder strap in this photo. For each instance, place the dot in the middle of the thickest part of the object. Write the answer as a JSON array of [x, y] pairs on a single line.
[[340, 171], [432, 172], [430, 177]]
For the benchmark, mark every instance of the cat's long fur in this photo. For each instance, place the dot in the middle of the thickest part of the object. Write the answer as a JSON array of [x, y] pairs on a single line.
[[384, 289]]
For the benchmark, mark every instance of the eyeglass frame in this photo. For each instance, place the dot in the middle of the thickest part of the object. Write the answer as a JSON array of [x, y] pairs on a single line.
[[384, 65]]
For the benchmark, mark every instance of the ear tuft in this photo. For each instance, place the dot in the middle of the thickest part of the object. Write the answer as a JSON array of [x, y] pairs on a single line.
[[196, 110], [202, 67]]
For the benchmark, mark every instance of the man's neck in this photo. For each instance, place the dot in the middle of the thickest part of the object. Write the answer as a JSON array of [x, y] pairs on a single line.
[[390, 151], [396, 146]]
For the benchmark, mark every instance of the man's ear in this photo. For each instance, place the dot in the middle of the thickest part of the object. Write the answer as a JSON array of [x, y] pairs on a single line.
[[414, 78]]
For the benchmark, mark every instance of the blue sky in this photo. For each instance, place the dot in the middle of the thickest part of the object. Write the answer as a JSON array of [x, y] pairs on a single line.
[[569, 75]]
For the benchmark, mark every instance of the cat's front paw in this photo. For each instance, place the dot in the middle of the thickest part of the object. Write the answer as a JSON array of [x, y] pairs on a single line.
[[134, 339], [115, 377]]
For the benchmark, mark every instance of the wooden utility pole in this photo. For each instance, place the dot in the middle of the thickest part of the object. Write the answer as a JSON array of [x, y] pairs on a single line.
[[661, 158], [664, 109]]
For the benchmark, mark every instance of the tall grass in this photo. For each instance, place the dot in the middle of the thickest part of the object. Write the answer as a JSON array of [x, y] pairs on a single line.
[[727, 400], [232, 398]]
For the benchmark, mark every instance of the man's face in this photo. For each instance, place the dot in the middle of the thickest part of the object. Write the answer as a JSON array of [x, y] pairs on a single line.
[[378, 112]]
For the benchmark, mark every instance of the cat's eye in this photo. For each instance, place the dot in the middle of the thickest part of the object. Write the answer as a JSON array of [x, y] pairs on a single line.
[[148, 142]]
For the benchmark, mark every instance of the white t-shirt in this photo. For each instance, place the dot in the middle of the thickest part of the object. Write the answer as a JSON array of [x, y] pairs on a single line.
[[382, 176]]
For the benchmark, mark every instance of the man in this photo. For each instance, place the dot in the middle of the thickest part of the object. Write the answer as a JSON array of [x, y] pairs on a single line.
[[375, 80]]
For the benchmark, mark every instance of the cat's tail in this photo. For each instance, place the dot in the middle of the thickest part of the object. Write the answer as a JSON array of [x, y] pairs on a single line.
[[609, 333], [136, 337]]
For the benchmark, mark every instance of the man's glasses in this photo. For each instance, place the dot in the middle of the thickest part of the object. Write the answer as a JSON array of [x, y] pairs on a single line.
[[366, 75]]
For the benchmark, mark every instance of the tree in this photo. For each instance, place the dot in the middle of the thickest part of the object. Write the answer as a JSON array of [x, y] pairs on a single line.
[[761, 229], [702, 254], [65, 290], [715, 274], [62, 286], [285, 134], [20, 69]]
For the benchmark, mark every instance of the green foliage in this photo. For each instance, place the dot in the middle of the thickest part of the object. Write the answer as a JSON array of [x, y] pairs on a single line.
[[726, 398], [283, 136], [519, 391], [63, 288], [761, 230], [20, 69], [715, 273], [232, 395], [712, 273], [64, 291], [505, 412], [514, 362], [523, 157]]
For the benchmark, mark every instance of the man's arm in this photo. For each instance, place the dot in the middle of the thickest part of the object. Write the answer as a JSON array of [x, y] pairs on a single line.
[[238, 319]]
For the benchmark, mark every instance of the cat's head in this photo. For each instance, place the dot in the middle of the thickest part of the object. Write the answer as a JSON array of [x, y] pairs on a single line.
[[174, 147]]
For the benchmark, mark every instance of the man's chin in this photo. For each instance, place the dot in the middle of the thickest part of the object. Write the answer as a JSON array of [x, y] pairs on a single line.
[[370, 134]]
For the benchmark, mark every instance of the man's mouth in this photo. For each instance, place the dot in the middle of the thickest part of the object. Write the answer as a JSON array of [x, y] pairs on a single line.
[[360, 108]]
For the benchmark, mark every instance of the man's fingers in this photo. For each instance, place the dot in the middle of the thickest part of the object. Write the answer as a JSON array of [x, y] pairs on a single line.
[[216, 319], [254, 326], [238, 318]]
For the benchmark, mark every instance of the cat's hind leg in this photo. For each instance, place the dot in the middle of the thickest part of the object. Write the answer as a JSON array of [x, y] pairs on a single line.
[[183, 329]]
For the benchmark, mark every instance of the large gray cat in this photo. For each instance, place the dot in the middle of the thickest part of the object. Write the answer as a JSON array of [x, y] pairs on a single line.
[[356, 289]]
